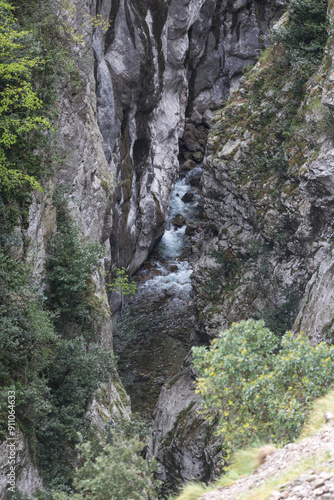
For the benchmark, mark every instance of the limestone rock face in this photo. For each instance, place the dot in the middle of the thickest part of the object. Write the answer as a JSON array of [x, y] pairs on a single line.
[[181, 441], [27, 478], [268, 197], [157, 61]]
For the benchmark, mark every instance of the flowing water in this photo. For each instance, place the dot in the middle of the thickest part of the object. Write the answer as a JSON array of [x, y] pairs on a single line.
[[153, 331]]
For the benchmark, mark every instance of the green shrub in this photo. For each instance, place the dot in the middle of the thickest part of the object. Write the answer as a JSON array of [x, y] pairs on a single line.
[[69, 267], [117, 473], [73, 376], [258, 386], [20, 108], [27, 342], [122, 283], [304, 35]]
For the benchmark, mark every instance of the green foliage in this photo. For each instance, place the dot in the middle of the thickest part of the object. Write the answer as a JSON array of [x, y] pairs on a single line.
[[118, 472], [27, 341], [260, 387], [70, 265], [279, 318], [122, 283], [127, 429], [73, 376], [20, 107], [114, 468], [267, 164], [304, 35], [53, 378]]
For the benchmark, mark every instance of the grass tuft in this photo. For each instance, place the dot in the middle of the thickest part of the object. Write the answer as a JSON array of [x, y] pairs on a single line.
[[316, 419]]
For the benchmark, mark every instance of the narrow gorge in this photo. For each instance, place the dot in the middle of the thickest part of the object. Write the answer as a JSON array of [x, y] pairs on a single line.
[[201, 170]]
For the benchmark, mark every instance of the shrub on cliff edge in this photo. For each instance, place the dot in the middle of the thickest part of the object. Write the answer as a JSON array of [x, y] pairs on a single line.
[[259, 387]]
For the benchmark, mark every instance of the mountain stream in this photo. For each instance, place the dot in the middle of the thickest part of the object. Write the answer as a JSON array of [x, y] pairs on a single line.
[[153, 330]]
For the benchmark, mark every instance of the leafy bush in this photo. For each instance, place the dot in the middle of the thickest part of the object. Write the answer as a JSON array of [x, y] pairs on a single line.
[[27, 342], [20, 108], [258, 386], [73, 376], [118, 472], [53, 378], [122, 283]]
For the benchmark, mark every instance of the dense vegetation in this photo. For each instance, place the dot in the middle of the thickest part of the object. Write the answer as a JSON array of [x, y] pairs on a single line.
[[114, 469], [53, 374], [256, 386]]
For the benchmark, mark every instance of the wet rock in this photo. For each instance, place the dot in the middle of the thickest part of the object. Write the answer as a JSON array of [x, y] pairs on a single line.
[[179, 220], [191, 228], [187, 155], [195, 181], [193, 145], [196, 117], [198, 156], [187, 165], [207, 117], [188, 197]]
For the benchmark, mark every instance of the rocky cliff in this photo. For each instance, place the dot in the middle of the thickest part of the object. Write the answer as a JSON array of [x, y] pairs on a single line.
[[267, 193], [267, 190], [147, 72], [184, 447], [157, 61]]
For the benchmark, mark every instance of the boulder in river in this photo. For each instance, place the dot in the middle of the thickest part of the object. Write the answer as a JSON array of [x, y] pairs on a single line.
[[198, 156], [179, 220], [191, 228], [188, 197], [187, 165]]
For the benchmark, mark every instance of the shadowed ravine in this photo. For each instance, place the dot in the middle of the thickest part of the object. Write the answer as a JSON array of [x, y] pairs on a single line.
[[154, 328]]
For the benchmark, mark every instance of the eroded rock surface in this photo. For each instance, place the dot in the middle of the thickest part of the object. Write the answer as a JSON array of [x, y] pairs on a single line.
[[27, 478], [181, 440], [266, 249], [158, 60]]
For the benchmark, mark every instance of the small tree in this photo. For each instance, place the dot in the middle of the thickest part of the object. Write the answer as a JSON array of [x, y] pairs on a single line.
[[122, 283], [117, 472], [70, 265], [20, 107]]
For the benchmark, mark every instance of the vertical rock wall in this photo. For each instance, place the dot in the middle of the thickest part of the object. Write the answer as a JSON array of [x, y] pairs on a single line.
[[158, 60]]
